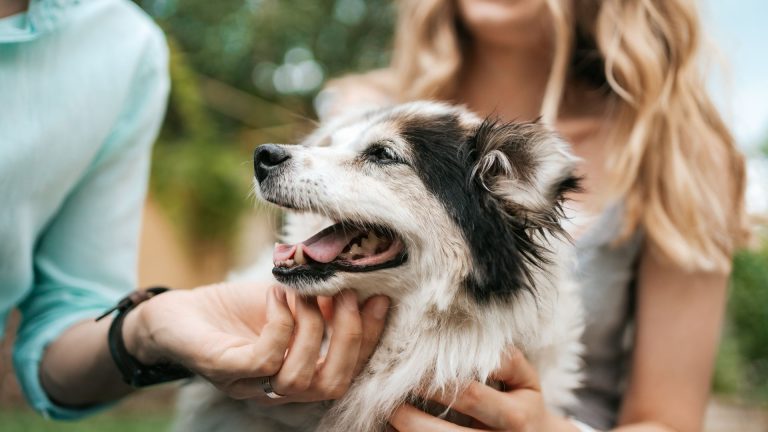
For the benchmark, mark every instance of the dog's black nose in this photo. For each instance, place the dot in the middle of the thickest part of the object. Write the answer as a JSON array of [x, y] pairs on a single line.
[[266, 158]]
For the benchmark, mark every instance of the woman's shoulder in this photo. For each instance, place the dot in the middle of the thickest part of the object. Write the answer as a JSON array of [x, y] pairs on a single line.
[[371, 89]]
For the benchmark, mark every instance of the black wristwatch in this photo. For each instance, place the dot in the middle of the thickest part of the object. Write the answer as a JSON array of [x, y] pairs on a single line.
[[134, 372]]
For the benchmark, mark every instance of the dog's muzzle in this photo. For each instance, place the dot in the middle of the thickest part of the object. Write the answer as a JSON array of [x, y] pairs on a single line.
[[267, 158]]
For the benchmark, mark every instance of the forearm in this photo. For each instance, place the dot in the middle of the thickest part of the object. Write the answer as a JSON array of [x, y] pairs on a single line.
[[644, 427], [77, 369], [563, 424]]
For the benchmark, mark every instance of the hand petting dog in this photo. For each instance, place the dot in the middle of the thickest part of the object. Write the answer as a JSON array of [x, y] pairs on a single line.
[[519, 408], [228, 335]]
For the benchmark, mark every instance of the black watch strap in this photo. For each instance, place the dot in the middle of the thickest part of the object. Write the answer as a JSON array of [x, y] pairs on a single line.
[[134, 372]]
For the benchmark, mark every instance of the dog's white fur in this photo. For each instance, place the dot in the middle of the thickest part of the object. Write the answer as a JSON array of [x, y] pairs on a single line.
[[437, 337]]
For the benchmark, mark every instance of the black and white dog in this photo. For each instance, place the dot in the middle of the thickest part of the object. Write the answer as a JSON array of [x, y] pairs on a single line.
[[457, 220]]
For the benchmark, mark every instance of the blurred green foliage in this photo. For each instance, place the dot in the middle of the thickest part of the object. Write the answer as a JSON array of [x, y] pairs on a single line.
[[742, 364], [764, 147], [197, 174], [245, 72], [244, 42]]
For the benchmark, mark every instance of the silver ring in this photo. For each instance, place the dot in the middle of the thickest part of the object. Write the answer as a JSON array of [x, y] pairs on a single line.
[[266, 385]]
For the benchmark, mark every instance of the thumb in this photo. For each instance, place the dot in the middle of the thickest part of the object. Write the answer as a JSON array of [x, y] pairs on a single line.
[[264, 356]]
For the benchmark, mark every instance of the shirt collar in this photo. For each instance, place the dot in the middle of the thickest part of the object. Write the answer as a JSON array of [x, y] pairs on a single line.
[[41, 17]]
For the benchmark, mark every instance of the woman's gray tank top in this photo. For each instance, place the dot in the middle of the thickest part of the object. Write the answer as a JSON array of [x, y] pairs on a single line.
[[606, 273]]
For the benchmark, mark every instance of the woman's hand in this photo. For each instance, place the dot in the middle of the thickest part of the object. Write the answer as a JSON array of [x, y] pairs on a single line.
[[305, 376], [229, 335], [519, 408]]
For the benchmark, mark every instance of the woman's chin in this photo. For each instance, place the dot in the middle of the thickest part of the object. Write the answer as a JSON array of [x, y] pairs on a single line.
[[505, 22]]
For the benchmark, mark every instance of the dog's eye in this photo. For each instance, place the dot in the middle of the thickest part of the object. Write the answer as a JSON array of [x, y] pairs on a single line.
[[382, 154]]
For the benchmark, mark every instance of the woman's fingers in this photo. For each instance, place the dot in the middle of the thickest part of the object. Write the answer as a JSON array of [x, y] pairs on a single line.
[[354, 335], [296, 374], [516, 372], [244, 388], [337, 370], [489, 406], [326, 307], [492, 407], [409, 419], [276, 335], [374, 315]]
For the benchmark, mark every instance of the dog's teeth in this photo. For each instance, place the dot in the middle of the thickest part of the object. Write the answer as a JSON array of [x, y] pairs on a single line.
[[371, 242], [298, 257], [284, 263], [356, 250]]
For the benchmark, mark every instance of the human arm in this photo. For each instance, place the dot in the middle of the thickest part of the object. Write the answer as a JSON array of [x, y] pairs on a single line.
[[11, 7], [232, 334], [85, 255], [678, 315]]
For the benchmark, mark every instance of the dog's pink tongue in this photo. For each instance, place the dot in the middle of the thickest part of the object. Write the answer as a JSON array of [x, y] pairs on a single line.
[[323, 247], [283, 252]]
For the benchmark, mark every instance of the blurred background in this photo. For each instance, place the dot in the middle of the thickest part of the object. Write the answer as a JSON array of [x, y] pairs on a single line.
[[245, 72]]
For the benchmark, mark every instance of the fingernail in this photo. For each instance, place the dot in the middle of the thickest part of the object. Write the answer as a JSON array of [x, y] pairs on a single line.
[[380, 307]]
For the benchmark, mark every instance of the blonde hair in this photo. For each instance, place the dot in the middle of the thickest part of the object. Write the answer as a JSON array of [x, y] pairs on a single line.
[[671, 158]]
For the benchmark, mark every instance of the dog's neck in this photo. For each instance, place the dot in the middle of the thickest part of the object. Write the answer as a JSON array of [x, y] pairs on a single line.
[[428, 347]]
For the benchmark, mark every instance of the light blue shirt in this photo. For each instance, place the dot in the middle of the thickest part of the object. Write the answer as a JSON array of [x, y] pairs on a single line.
[[83, 87]]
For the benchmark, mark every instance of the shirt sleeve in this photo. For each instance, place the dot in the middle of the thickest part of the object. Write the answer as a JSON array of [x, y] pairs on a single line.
[[86, 259]]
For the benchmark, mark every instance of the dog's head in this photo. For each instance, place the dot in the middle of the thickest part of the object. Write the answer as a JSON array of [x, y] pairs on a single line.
[[420, 194]]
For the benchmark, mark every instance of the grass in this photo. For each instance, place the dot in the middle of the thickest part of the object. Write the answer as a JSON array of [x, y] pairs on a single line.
[[24, 420]]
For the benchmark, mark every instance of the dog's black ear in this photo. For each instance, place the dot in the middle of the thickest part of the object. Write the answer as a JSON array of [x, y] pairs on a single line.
[[526, 169]]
